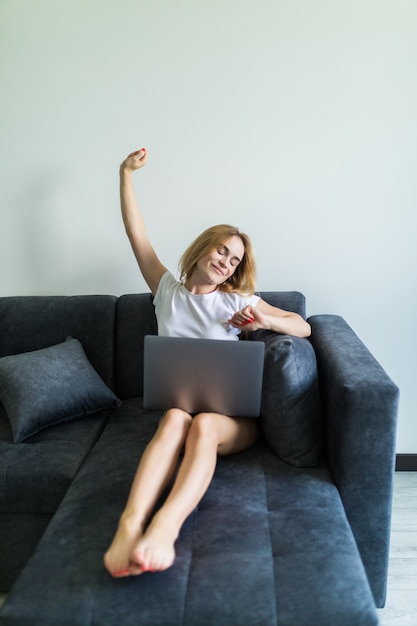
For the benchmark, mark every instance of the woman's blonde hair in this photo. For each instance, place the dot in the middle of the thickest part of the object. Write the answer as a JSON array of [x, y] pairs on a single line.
[[243, 279]]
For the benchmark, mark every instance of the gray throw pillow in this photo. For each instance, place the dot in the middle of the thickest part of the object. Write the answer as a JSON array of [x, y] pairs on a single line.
[[291, 415], [49, 386]]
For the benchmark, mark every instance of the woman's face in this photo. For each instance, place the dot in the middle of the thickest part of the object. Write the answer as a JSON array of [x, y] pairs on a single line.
[[220, 263]]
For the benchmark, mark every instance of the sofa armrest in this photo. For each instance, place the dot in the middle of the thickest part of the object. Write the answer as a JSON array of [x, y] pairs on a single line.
[[360, 404]]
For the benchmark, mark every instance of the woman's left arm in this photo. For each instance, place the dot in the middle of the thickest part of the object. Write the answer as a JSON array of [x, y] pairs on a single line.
[[269, 317]]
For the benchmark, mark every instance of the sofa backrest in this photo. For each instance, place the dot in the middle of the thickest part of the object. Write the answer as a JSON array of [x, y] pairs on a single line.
[[32, 322], [111, 329], [288, 300], [136, 318]]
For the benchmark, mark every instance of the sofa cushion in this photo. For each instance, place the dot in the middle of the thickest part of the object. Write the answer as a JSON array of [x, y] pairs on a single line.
[[35, 474], [34, 477], [135, 319], [288, 300], [33, 322], [291, 416], [49, 386], [268, 544]]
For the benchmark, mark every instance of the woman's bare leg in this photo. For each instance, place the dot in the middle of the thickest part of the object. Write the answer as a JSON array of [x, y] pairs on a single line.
[[155, 470], [209, 434]]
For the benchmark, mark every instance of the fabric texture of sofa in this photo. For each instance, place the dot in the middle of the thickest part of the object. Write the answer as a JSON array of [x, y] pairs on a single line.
[[292, 532]]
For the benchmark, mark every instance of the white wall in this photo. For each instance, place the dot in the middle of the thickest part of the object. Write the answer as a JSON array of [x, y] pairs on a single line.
[[294, 119]]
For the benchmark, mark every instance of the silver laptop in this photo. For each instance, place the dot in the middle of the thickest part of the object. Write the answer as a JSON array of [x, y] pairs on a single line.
[[203, 375]]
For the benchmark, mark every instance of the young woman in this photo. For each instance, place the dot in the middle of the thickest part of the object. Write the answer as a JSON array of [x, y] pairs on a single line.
[[214, 298]]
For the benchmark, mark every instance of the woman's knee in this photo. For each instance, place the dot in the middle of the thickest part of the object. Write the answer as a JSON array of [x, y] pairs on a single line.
[[204, 427], [229, 435], [175, 424]]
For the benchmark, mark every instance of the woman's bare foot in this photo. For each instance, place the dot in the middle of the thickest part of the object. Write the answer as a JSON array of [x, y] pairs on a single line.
[[154, 552], [117, 558]]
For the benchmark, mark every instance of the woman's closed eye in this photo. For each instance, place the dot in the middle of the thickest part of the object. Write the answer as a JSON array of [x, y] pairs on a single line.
[[234, 261]]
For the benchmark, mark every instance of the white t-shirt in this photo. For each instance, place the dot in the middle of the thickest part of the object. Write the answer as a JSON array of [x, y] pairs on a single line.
[[181, 313]]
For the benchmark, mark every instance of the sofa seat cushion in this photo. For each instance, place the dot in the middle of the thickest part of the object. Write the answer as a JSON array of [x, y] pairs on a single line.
[[35, 475], [268, 544]]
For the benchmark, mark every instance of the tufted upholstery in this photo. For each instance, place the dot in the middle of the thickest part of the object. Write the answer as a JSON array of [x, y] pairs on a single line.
[[269, 544]]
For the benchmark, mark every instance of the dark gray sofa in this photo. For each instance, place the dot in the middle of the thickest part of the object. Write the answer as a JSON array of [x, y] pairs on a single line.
[[270, 543]]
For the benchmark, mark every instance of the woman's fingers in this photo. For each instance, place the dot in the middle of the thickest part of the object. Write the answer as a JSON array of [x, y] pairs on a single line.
[[242, 318], [135, 160], [132, 154]]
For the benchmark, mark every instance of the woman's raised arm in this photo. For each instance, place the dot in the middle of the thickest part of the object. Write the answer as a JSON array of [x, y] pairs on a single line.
[[151, 267]]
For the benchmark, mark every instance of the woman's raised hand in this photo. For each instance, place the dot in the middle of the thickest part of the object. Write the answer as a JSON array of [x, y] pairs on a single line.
[[135, 160]]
